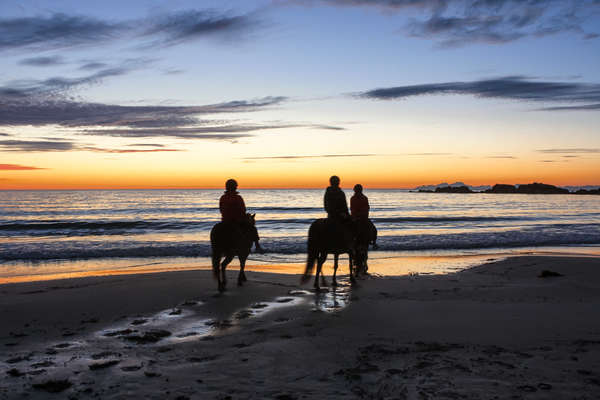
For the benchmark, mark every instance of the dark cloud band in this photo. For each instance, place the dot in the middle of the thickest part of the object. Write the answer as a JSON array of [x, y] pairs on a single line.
[[59, 31], [512, 88]]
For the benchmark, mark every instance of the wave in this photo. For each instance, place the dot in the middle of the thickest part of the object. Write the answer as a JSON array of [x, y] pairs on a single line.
[[119, 227], [549, 235]]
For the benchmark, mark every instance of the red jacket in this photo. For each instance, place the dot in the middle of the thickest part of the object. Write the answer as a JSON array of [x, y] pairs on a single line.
[[232, 207], [359, 206]]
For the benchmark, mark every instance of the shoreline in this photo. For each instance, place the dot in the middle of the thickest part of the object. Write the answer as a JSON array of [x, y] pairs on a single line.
[[383, 263], [496, 328]]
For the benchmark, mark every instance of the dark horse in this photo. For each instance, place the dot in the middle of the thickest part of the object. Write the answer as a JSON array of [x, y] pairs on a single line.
[[230, 240], [328, 237], [361, 246]]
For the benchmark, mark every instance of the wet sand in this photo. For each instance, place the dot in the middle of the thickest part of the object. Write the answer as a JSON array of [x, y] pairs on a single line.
[[497, 330]]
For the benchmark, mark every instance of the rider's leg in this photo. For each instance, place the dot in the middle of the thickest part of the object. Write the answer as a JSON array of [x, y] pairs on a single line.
[[255, 239], [373, 235]]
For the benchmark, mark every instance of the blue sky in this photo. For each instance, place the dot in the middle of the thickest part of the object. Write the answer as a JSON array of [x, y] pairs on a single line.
[[480, 89]]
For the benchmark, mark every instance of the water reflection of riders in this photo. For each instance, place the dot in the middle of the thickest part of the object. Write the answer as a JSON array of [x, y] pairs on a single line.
[[359, 210], [233, 212]]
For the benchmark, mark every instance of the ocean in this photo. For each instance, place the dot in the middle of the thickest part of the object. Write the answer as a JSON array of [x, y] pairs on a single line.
[[68, 232]]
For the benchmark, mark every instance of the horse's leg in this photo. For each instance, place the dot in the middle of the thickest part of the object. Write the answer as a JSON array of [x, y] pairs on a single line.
[[242, 275], [320, 260], [352, 279], [223, 279], [336, 258], [323, 280]]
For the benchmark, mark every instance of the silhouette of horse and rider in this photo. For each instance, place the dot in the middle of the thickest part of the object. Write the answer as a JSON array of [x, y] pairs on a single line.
[[340, 233]]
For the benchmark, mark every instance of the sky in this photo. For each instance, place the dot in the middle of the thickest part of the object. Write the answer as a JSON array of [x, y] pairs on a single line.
[[285, 93]]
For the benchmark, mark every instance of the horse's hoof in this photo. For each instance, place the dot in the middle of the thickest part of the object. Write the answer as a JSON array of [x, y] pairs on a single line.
[[244, 278], [353, 281], [240, 283], [334, 283]]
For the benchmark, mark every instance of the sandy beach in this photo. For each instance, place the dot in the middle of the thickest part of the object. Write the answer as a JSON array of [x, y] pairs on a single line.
[[497, 330]]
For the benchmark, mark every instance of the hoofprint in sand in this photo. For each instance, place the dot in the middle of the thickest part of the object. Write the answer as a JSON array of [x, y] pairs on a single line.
[[500, 330]]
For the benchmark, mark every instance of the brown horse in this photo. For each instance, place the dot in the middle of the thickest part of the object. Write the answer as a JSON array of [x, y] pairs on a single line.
[[230, 240], [328, 237]]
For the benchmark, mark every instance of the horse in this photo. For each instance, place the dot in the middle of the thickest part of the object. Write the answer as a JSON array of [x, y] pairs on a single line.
[[328, 237], [230, 240], [361, 247]]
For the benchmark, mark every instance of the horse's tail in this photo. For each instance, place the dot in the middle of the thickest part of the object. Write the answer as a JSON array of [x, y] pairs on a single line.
[[312, 250], [215, 253]]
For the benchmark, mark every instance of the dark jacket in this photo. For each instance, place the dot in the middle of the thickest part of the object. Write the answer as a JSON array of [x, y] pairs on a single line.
[[359, 206], [232, 207], [335, 202]]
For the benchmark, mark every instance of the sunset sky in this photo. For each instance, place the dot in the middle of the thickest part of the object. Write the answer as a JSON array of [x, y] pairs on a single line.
[[285, 93]]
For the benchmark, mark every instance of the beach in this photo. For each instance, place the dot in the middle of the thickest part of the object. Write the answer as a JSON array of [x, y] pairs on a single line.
[[504, 329]]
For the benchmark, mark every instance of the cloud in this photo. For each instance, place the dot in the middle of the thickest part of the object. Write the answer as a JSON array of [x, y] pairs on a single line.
[[21, 107], [189, 25], [426, 154], [295, 157], [512, 88], [124, 151], [570, 151], [309, 156], [65, 145], [53, 88], [36, 145], [55, 31], [213, 132], [507, 157], [145, 145], [60, 31], [453, 23], [42, 61], [16, 167], [92, 65], [5, 134], [585, 107]]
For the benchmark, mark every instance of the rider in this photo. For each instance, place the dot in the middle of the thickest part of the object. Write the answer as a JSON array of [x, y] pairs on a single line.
[[359, 208], [233, 210], [335, 201]]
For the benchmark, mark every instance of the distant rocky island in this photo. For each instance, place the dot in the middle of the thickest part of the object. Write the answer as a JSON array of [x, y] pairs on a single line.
[[530, 188]]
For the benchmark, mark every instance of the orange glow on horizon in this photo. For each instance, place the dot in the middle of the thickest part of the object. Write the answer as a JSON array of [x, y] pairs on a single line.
[[384, 172]]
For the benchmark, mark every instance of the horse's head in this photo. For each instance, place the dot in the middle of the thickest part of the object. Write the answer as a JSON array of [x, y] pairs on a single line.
[[250, 218]]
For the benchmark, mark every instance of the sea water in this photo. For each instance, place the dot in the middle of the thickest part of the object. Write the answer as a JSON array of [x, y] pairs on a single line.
[[46, 232]]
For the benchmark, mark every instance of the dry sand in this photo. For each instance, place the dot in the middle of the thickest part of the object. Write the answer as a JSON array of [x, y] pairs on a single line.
[[493, 331]]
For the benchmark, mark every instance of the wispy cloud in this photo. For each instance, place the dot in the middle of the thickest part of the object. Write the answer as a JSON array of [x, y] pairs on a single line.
[[36, 145], [145, 145], [300, 157], [454, 23], [507, 157], [56, 31], [60, 31], [17, 167], [212, 132], [21, 107], [92, 65], [570, 151], [190, 25], [124, 151], [585, 107], [53, 88], [43, 61], [511, 88], [296, 157], [66, 145]]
